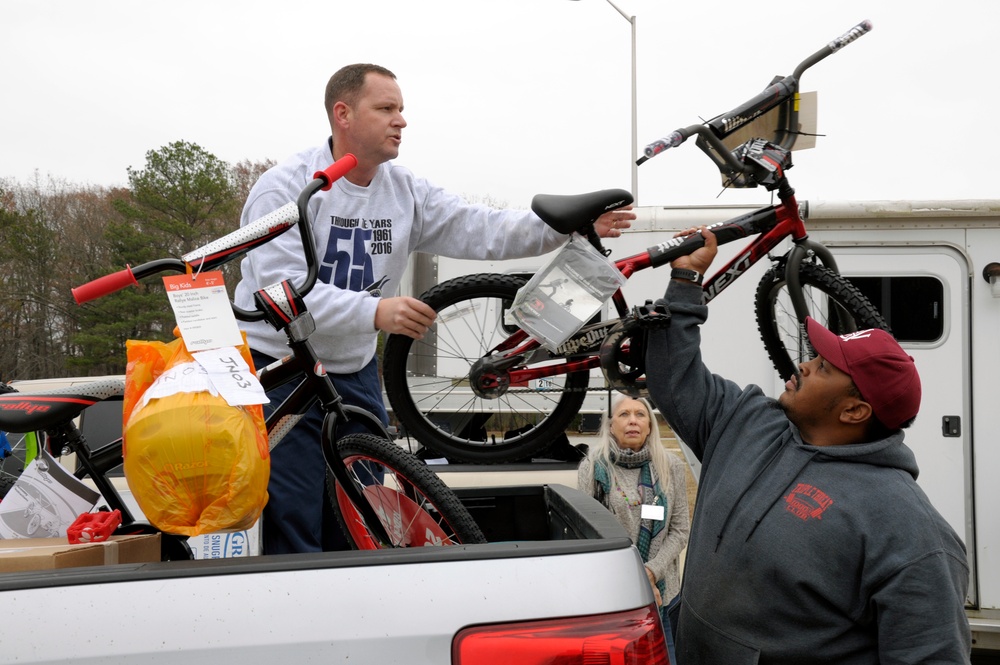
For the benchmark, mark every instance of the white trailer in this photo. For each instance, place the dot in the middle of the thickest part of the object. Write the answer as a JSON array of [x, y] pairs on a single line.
[[933, 268]]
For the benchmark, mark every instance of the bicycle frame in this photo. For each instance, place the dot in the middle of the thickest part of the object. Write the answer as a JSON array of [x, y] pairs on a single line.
[[96, 463], [771, 224], [315, 386], [281, 305], [312, 388]]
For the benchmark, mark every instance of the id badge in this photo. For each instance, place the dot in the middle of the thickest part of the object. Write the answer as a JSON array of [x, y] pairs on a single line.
[[652, 512]]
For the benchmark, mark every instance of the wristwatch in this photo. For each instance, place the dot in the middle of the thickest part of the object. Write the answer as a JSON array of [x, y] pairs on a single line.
[[689, 275]]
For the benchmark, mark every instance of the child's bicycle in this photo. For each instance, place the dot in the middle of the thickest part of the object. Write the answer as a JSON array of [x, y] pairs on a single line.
[[478, 388], [406, 506]]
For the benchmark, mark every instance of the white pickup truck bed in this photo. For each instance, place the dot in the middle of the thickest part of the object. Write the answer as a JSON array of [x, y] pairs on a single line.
[[553, 553]]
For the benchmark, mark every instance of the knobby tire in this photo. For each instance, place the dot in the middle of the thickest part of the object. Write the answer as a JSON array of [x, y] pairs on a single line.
[[414, 505], [833, 301]]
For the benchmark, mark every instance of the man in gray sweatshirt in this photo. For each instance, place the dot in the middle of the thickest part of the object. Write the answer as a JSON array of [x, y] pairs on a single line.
[[365, 228], [811, 541]]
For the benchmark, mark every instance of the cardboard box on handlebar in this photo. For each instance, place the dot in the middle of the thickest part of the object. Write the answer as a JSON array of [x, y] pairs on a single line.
[[566, 293]]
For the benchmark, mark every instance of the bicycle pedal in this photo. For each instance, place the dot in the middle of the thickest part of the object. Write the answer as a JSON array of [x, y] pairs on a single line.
[[651, 315]]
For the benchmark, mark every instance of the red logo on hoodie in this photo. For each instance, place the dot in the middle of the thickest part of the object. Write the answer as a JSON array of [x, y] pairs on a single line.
[[807, 502]]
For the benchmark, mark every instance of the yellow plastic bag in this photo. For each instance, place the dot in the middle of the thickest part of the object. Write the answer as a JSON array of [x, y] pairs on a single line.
[[194, 463]]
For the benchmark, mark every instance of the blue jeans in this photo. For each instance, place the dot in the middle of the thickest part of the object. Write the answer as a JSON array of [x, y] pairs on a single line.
[[666, 610], [298, 516]]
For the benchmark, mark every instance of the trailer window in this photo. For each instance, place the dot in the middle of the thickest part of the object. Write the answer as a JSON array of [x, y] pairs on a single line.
[[913, 306]]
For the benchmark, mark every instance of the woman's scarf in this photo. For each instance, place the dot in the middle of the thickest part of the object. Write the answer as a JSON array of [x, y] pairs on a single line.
[[650, 492]]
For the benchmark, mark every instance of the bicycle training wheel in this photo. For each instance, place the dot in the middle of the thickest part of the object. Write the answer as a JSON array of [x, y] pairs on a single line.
[[428, 385], [415, 507], [832, 300]]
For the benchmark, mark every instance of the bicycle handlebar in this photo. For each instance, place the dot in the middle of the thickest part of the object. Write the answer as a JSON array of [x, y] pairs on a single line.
[[776, 93], [336, 171], [102, 286], [232, 245]]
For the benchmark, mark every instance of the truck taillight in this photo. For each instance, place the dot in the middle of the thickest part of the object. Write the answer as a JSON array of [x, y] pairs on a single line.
[[626, 638]]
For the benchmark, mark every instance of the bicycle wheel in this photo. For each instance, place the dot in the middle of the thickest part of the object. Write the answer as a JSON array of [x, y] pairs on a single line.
[[428, 381], [16, 452], [832, 301], [415, 507]]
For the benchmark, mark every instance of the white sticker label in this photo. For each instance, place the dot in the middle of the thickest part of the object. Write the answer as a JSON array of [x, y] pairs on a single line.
[[231, 376], [652, 512], [216, 372], [181, 378]]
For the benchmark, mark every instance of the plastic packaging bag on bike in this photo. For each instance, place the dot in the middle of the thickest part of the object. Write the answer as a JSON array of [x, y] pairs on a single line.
[[566, 293], [194, 463]]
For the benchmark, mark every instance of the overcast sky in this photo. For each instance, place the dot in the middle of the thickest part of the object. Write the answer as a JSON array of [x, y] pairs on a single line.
[[508, 98]]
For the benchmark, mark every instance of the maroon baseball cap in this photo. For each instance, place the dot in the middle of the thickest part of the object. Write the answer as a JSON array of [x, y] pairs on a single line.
[[884, 373]]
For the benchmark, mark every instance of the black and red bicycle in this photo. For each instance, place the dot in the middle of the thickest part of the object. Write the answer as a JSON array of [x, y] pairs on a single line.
[[382, 495], [478, 388]]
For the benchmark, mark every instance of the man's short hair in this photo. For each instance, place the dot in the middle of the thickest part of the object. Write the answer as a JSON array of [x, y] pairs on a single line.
[[346, 84]]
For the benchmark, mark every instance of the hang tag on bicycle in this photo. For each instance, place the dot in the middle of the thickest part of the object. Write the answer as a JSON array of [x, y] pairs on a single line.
[[566, 293], [203, 312]]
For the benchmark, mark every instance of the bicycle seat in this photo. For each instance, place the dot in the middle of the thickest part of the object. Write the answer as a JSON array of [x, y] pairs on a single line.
[[44, 409], [569, 213]]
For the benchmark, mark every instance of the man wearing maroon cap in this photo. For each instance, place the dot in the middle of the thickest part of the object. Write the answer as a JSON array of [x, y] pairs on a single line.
[[811, 540]]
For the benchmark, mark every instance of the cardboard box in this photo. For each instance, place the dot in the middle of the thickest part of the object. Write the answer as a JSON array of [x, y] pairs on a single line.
[[23, 554], [225, 544]]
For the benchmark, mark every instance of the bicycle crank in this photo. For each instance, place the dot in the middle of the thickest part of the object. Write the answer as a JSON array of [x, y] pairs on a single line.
[[489, 377]]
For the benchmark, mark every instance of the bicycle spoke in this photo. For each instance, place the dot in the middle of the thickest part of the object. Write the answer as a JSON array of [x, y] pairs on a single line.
[[830, 299], [408, 515], [429, 382]]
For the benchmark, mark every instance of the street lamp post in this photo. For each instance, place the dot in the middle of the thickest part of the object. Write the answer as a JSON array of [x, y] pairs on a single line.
[[635, 137]]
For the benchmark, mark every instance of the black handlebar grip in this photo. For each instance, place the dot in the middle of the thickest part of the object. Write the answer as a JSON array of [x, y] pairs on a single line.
[[102, 286], [656, 147], [857, 31]]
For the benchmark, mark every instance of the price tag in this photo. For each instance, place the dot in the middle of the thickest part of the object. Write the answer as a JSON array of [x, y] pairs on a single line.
[[231, 376], [649, 512], [203, 312]]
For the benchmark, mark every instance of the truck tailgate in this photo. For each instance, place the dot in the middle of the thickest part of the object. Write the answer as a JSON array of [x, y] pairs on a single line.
[[392, 606]]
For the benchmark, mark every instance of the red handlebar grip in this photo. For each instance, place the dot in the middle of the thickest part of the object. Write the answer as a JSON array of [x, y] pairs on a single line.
[[102, 286], [336, 170]]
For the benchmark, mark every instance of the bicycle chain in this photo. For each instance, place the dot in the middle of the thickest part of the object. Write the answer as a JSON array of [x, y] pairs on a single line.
[[649, 316]]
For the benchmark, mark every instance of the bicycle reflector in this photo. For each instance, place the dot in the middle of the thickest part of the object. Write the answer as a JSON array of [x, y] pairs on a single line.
[[624, 638]]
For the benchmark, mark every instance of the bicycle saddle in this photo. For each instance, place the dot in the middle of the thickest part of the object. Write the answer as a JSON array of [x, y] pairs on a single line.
[[569, 213], [44, 409]]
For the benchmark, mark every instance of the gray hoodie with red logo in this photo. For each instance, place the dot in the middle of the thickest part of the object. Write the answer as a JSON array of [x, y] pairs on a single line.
[[800, 553]]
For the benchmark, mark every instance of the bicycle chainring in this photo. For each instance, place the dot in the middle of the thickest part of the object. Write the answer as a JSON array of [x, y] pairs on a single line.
[[623, 353]]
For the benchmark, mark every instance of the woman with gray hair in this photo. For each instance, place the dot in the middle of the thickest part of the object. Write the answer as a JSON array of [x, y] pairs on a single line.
[[645, 487]]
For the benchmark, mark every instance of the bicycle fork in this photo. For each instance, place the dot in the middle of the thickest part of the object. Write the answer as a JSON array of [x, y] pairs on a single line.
[[343, 476]]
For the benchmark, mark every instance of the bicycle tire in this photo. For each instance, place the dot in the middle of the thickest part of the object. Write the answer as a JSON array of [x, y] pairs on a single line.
[[14, 455], [415, 507], [427, 380], [833, 301], [13, 464]]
